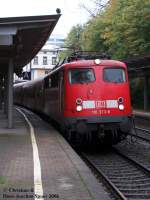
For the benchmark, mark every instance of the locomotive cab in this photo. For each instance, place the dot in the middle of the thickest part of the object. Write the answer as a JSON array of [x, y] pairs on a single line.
[[97, 100]]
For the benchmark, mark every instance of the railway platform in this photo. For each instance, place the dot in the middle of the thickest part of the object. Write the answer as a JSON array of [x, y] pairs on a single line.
[[36, 162]]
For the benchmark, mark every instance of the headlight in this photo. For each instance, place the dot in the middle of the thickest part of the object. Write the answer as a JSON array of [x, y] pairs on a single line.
[[121, 107], [97, 61], [120, 99], [79, 108], [78, 101]]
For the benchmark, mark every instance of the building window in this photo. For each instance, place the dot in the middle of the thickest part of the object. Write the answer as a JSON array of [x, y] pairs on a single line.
[[60, 40], [44, 60], [35, 61], [53, 60]]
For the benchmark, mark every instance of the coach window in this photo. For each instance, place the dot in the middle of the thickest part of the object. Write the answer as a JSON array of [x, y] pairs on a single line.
[[114, 75], [81, 76]]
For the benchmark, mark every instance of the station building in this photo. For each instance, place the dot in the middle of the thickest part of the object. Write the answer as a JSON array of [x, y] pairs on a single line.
[[46, 58]]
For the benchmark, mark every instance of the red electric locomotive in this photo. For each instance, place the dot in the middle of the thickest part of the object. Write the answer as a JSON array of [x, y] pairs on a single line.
[[88, 98]]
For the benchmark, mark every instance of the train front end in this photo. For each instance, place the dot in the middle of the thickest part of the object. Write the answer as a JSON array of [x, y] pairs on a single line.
[[97, 101]]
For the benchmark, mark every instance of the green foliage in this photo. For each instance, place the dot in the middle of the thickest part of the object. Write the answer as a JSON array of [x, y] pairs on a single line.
[[91, 38], [122, 28], [2, 180], [73, 41], [126, 27]]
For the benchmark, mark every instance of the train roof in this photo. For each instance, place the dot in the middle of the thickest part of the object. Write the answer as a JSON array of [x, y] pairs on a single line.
[[28, 83], [87, 63]]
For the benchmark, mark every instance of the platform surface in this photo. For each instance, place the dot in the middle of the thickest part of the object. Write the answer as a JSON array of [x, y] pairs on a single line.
[[64, 175]]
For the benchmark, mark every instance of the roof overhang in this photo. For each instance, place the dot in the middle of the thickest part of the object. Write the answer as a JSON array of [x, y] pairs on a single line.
[[138, 66], [22, 37]]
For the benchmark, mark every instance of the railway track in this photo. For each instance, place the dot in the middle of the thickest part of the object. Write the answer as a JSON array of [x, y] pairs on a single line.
[[143, 134], [128, 178]]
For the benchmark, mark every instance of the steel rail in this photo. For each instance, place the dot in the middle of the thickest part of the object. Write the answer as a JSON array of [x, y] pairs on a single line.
[[142, 129], [140, 137], [139, 165], [106, 179], [120, 194]]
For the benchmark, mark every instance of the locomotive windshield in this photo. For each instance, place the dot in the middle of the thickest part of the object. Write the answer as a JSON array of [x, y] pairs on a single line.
[[114, 75], [80, 75]]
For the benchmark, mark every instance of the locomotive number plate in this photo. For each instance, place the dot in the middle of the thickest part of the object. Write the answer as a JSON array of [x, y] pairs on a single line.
[[111, 103], [100, 104], [88, 104]]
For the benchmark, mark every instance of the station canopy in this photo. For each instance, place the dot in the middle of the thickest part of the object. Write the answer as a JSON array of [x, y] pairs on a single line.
[[139, 65], [22, 37]]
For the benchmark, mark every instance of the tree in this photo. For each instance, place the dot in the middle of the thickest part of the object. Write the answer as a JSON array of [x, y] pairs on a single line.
[[98, 5], [121, 27], [127, 27], [73, 41], [91, 38]]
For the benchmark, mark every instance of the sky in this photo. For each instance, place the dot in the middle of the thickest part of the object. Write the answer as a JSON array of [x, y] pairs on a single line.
[[72, 11]]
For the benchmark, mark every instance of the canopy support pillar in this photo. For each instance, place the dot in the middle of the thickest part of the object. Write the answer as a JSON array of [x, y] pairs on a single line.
[[10, 93]]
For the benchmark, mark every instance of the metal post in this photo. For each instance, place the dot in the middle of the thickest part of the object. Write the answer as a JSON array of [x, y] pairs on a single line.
[[6, 93], [145, 93], [10, 93], [1, 92], [30, 70]]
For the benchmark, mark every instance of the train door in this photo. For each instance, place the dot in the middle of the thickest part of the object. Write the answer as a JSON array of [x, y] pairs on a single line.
[[52, 95], [39, 96], [47, 100]]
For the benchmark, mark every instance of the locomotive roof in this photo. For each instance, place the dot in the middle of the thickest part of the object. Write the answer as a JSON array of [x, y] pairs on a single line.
[[87, 63]]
